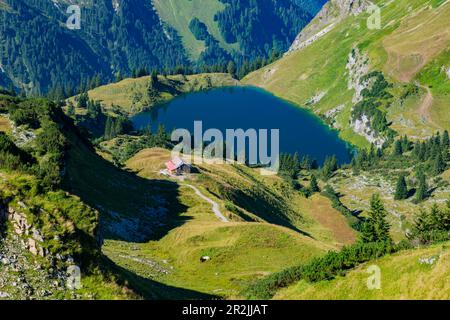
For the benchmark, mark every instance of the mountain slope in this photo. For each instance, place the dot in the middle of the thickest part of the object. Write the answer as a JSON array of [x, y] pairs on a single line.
[[404, 275], [237, 27], [330, 65], [44, 230], [38, 52], [111, 39], [264, 233]]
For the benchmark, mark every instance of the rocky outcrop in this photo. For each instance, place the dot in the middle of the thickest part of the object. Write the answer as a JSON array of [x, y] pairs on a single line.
[[446, 70], [363, 128], [331, 14], [31, 238], [357, 67], [24, 277]]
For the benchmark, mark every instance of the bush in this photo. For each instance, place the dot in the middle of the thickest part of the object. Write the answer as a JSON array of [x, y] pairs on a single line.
[[11, 157]]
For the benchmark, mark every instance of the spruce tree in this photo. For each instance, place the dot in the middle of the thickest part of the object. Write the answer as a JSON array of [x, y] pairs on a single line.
[[376, 228], [438, 164], [445, 146], [422, 189], [314, 186], [401, 192], [329, 167], [398, 150], [154, 78], [422, 223], [231, 68], [445, 140], [108, 126]]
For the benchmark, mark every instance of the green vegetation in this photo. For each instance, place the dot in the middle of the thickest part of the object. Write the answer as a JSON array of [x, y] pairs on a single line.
[[319, 269], [433, 225], [399, 51], [375, 228], [59, 229], [131, 96], [373, 98], [217, 31], [401, 192], [424, 281], [130, 40]]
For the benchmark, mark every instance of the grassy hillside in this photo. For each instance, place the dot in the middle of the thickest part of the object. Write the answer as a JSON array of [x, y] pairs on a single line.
[[251, 245], [411, 45], [130, 95], [402, 277], [4, 124]]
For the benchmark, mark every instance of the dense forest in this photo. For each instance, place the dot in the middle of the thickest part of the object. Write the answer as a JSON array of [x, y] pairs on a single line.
[[245, 22], [39, 54]]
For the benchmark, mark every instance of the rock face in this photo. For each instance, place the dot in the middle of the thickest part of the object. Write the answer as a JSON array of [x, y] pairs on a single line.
[[331, 14], [357, 67], [23, 277], [446, 70], [30, 237], [363, 128]]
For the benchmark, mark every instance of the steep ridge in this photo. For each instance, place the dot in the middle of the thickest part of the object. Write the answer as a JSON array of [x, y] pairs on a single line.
[[318, 72]]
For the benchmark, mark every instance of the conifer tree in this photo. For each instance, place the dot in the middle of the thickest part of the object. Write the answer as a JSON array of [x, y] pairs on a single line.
[[329, 167], [422, 189], [398, 150], [438, 164], [108, 126], [154, 78], [445, 140], [314, 186], [231, 68], [401, 192], [376, 228]]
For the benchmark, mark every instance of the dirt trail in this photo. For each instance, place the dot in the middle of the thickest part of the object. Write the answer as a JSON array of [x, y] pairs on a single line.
[[215, 206], [425, 107]]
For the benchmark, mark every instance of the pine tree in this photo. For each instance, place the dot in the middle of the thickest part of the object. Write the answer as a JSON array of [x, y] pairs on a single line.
[[445, 146], [422, 223], [422, 189], [70, 110], [119, 76], [405, 144], [107, 135], [83, 100], [154, 78], [329, 167], [314, 186], [439, 165], [231, 68], [401, 192], [398, 150], [445, 140], [376, 228]]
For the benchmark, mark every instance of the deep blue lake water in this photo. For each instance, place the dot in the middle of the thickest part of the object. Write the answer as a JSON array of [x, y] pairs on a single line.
[[246, 108]]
